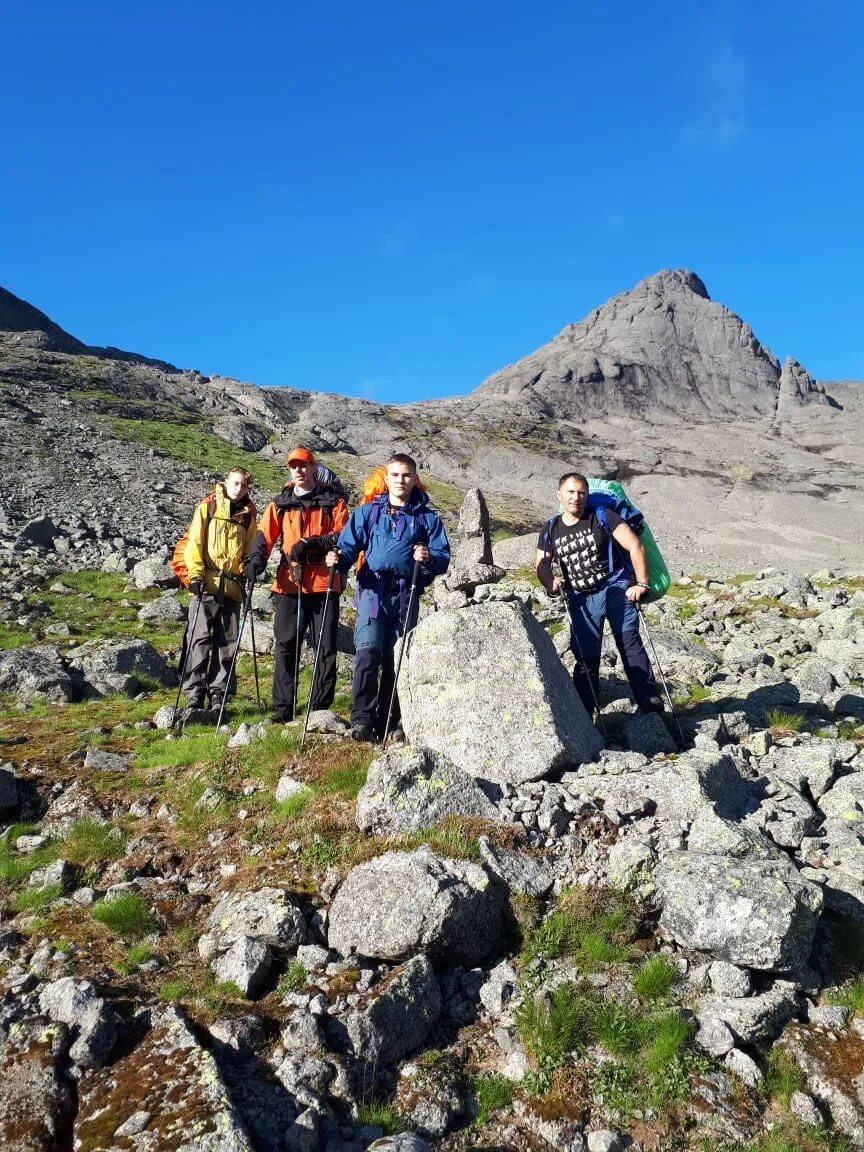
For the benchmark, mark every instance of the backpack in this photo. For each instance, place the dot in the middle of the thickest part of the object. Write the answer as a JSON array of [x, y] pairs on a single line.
[[373, 486], [605, 494], [177, 563]]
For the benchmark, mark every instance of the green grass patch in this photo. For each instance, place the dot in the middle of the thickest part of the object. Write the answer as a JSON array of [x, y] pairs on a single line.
[[294, 807], [381, 1114], [293, 979], [14, 868], [126, 915], [174, 990], [655, 978], [35, 899], [193, 443], [850, 995], [89, 843], [779, 720], [137, 955], [694, 694], [491, 1092], [553, 1024], [783, 1076], [592, 926]]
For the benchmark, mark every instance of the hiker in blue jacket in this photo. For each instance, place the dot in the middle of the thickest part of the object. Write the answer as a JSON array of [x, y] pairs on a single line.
[[601, 580], [395, 530]]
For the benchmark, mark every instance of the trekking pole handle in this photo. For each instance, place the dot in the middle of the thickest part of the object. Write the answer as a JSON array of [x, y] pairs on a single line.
[[331, 578], [415, 575]]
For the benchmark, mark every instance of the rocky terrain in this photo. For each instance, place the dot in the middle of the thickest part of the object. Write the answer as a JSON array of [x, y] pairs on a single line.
[[737, 460], [516, 931]]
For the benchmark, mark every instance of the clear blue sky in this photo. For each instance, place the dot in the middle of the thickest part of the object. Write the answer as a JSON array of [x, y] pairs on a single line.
[[393, 200]]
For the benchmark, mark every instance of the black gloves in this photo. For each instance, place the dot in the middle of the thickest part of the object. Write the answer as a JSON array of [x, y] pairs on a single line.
[[196, 587], [251, 572], [299, 550]]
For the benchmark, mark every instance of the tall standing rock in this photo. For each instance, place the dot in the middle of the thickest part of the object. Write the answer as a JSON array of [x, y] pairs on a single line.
[[472, 563], [484, 686]]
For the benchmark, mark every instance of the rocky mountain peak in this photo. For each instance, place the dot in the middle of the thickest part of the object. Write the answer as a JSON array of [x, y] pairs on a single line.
[[664, 349], [32, 327]]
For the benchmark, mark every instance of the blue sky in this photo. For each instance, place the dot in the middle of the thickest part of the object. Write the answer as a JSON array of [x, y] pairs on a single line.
[[394, 200]]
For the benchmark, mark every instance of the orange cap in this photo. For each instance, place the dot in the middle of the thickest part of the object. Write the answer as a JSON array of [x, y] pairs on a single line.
[[303, 455]]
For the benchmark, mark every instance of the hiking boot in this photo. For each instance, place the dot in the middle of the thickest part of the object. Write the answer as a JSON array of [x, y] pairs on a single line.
[[216, 700], [195, 700], [363, 734], [651, 704], [283, 716], [396, 735]]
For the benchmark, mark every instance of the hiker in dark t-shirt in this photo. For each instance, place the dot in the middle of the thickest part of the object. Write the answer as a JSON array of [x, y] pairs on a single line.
[[597, 590]]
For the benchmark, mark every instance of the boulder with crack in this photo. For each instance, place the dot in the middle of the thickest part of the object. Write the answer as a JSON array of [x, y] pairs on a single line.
[[484, 686], [246, 930], [31, 674], [118, 665]]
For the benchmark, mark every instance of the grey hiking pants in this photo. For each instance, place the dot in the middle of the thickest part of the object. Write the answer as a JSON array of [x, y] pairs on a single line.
[[211, 646]]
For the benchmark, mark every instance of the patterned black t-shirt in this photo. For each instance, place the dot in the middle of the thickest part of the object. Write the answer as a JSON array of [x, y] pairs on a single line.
[[582, 549]]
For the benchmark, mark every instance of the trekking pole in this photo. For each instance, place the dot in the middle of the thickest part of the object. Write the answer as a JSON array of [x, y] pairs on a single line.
[[415, 576], [254, 652], [187, 645], [318, 647], [246, 609], [298, 580], [659, 668]]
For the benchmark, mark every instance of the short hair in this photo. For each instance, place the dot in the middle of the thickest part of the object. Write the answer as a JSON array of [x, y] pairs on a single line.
[[403, 458], [247, 476], [573, 476]]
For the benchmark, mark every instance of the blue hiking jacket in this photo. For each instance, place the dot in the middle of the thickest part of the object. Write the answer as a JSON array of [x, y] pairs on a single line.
[[388, 540]]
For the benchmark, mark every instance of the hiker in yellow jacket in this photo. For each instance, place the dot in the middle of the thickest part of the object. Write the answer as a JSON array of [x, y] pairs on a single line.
[[220, 536]]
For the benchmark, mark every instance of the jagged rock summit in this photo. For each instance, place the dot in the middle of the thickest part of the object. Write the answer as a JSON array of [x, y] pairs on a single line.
[[665, 348]]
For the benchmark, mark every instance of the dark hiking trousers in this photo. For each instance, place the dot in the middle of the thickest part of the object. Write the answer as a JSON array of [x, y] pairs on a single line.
[[375, 639], [587, 614], [211, 646], [285, 653]]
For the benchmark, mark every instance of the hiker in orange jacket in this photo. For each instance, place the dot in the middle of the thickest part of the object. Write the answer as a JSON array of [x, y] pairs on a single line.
[[305, 518]]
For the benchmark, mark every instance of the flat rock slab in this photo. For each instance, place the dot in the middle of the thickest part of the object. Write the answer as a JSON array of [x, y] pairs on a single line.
[[402, 903], [757, 913], [167, 1093], [484, 686], [408, 789]]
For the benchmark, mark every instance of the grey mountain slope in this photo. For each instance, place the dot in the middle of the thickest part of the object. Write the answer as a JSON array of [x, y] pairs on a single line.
[[737, 461]]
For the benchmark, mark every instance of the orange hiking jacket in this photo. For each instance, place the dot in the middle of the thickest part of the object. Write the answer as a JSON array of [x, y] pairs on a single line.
[[289, 519]]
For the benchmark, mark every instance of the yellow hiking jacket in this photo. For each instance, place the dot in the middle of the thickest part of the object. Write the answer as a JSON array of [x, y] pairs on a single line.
[[219, 543]]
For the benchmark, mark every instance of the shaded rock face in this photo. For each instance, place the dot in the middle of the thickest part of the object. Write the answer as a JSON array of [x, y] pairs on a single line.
[[168, 1092], [408, 789], [756, 913], [36, 1103], [485, 687], [397, 1020], [402, 903], [664, 346], [35, 674], [115, 665]]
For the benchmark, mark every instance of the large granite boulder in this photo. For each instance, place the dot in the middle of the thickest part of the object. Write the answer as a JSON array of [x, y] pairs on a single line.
[[35, 674], [119, 666], [757, 913], [402, 903], [408, 789], [485, 687], [268, 915]]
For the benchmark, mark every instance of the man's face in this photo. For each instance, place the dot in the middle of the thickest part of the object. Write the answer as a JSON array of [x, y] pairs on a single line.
[[573, 494], [400, 481], [235, 485], [302, 473]]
